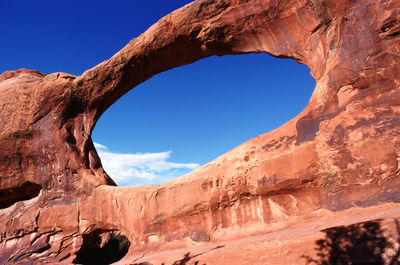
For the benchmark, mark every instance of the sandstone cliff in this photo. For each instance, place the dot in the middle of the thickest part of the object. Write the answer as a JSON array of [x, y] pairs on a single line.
[[339, 157]]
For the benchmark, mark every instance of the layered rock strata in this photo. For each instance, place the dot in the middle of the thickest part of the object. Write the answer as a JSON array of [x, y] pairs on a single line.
[[57, 204]]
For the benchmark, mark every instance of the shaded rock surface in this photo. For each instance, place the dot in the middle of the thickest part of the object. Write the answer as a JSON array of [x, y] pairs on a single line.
[[341, 152]]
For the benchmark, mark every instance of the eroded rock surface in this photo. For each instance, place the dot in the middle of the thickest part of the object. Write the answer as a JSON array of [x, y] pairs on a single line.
[[341, 152]]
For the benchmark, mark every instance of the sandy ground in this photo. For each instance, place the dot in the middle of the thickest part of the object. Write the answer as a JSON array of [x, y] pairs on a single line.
[[289, 245]]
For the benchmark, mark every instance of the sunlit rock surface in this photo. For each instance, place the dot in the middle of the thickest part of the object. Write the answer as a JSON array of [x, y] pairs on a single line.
[[288, 196]]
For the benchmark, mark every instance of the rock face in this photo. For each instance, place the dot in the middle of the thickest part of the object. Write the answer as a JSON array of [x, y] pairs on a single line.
[[57, 204]]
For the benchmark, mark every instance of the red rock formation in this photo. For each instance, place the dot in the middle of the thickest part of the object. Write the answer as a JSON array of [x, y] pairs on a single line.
[[58, 205]]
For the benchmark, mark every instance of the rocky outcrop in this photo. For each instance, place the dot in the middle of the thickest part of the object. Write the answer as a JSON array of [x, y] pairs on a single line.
[[57, 204]]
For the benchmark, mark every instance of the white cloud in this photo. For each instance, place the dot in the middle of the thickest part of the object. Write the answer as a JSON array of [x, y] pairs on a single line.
[[136, 169], [100, 146]]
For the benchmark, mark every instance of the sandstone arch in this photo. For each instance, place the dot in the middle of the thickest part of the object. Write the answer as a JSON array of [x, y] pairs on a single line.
[[341, 151]]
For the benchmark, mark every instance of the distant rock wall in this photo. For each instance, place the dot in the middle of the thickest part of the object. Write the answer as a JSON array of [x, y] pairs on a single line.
[[57, 204]]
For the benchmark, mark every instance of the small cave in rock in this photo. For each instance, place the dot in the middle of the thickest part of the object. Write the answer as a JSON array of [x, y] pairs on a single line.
[[102, 247], [26, 191]]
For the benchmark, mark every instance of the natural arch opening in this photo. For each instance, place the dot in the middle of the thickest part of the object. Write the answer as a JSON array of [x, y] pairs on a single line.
[[192, 114]]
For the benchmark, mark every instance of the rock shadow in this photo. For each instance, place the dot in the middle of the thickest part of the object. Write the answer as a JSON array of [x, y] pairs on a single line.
[[362, 243], [186, 258], [184, 261], [26, 191]]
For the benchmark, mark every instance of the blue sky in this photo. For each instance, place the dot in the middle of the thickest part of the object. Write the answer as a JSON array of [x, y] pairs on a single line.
[[175, 121]]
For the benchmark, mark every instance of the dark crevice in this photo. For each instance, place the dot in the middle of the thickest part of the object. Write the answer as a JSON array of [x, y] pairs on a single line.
[[26, 191], [387, 26], [102, 247], [70, 136], [390, 29], [307, 128]]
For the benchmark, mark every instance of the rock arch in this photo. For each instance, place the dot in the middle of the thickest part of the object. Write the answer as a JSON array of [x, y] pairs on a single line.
[[330, 156]]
